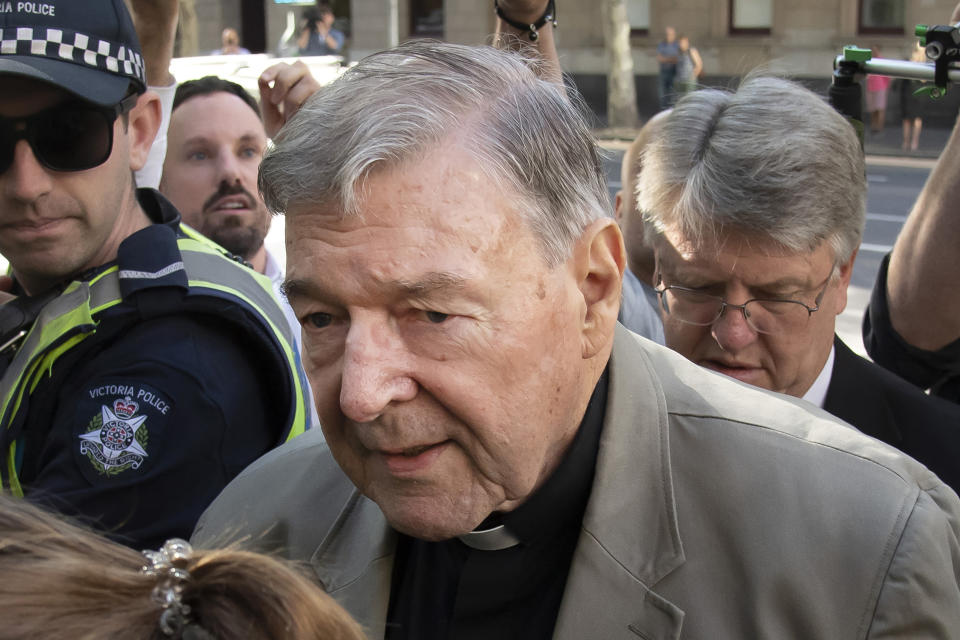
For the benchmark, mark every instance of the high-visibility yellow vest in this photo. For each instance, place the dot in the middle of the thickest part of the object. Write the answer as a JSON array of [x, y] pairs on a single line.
[[211, 277]]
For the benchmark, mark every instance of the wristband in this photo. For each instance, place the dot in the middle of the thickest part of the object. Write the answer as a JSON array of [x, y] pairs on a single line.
[[549, 15]]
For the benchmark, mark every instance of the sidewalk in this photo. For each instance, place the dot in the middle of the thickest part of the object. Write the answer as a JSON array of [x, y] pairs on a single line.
[[888, 141]]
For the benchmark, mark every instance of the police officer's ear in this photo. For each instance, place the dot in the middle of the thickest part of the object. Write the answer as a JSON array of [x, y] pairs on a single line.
[[599, 259], [142, 125]]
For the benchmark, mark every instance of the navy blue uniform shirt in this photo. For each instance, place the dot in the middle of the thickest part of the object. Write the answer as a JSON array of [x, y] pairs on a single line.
[[191, 403]]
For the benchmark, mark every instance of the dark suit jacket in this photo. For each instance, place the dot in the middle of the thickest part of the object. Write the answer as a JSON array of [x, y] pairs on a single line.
[[883, 405]]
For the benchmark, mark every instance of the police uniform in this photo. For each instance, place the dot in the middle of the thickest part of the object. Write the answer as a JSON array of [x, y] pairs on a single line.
[[148, 383]]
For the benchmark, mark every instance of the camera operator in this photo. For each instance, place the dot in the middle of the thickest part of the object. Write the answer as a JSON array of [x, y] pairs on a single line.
[[317, 36]]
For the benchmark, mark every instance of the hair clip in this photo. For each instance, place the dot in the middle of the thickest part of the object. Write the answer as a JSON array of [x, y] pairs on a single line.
[[170, 583]]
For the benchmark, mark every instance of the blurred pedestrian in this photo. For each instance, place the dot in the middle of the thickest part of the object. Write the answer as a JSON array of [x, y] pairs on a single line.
[[689, 66], [877, 97], [668, 53], [912, 105], [230, 44]]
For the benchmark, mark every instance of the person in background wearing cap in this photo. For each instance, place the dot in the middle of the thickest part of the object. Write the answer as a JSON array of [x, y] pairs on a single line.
[[141, 367]]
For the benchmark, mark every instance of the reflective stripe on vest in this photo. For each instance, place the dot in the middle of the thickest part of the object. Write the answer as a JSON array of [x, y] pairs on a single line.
[[256, 291], [70, 318]]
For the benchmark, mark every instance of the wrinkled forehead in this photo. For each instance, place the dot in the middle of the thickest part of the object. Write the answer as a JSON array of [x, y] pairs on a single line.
[[414, 233], [443, 175], [442, 193], [714, 244]]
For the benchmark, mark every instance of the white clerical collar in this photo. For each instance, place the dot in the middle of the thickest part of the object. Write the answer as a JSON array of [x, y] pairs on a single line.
[[817, 392], [495, 539]]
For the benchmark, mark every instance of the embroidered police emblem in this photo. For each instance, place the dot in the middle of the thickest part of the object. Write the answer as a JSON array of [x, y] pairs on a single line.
[[116, 439], [119, 435]]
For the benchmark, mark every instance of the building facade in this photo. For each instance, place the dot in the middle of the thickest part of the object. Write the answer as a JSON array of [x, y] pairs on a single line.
[[798, 39]]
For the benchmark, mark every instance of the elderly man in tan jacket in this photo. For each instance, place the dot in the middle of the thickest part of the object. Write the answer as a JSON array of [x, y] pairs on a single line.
[[502, 460]]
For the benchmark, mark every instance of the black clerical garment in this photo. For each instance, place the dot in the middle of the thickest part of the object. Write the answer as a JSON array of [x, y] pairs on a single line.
[[442, 590]]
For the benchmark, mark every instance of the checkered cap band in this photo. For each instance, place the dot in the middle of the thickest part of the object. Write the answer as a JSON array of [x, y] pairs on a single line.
[[72, 46]]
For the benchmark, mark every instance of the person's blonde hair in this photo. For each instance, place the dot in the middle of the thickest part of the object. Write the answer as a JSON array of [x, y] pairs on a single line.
[[62, 581]]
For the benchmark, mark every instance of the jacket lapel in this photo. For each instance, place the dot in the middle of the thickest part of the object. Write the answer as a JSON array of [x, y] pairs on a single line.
[[853, 396], [630, 538], [355, 561]]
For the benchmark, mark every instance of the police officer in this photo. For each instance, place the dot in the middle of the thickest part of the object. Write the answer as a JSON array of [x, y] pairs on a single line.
[[142, 368]]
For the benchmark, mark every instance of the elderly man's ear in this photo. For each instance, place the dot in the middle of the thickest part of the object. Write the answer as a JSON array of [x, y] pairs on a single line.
[[599, 260]]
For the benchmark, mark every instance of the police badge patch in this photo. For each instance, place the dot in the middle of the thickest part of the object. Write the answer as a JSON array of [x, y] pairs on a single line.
[[118, 437], [114, 441]]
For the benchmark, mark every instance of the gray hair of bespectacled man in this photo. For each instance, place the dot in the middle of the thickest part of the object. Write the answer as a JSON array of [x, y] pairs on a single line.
[[771, 160], [527, 135]]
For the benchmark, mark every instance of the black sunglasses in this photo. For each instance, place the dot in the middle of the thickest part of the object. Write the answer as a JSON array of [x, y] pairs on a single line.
[[70, 136]]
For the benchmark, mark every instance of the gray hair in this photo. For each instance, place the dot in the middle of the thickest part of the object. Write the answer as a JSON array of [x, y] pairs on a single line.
[[772, 159], [396, 106]]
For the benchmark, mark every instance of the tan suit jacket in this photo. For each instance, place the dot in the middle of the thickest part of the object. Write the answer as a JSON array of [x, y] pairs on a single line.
[[718, 511]]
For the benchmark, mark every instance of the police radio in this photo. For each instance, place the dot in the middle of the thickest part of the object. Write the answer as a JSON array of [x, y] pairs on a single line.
[[16, 318]]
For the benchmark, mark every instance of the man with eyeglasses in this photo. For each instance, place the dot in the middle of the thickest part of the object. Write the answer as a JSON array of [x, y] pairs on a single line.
[[755, 201], [141, 367]]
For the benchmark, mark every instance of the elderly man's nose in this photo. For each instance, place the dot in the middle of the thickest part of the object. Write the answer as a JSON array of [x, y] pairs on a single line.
[[375, 372]]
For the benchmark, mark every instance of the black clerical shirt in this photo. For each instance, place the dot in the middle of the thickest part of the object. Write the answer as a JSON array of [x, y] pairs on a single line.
[[442, 590]]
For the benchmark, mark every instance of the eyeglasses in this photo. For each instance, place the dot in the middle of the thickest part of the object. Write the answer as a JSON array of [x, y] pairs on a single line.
[[764, 315], [71, 136]]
